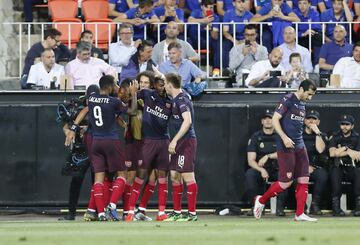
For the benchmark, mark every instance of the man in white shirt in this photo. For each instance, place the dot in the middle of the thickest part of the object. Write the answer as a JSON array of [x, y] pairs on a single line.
[[46, 71], [261, 73], [121, 51], [289, 46], [161, 54], [86, 70], [349, 69]]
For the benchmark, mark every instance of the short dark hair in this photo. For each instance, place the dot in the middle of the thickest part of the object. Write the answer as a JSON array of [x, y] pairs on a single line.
[[305, 0], [207, 2], [294, 55], [357, 44], [82, 45], [250, 27], [307, 85], [85, 32], [145, 3], [174, 45], [148, 74], [174, 79], [145, 43], [106, 81], [52, 32], [158, 79], [126, 26]]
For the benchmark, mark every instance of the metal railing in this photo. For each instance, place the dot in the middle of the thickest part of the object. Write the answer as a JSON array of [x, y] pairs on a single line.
[[44, 25]]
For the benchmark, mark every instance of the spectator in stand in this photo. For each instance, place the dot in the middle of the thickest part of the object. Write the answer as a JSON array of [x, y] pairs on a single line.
[[191, 75], [87, 36], [296, 74], [139, 17], [28, 8], [189, 6], [308, 14], [281, 15], [51, 40], [121, 51], [289, 46], [86, 70], [169, 12], [238, 15], [243, 56], [294, 3], [161, 52], [116, 7], [349, 69], [139, 62], [331, 52], [324, 5], [339, 12], [206, 17], [258, 4], [267, 73], [46, 72], [222, 6]]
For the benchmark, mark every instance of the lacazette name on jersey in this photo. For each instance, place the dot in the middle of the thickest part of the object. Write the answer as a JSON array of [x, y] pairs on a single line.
[[99, 100]]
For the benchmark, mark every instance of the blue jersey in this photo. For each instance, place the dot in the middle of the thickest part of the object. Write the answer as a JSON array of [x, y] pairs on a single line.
[[156, 114], [181, 104], [228, 4], [102, 116], [231, 16], [135, 13], [121, 5], [293, 112]]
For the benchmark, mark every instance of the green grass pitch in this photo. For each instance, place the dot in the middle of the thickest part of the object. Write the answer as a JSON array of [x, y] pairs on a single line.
[[209, 229]]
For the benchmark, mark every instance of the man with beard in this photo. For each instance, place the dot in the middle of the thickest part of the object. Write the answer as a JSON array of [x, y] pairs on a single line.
[[261, 72], [344, 149], [288, 121], [349, 69]]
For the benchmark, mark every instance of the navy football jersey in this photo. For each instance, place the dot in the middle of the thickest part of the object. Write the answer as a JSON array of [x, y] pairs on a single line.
[[103, 110], [181, 104], [156, 114], [292, 121]]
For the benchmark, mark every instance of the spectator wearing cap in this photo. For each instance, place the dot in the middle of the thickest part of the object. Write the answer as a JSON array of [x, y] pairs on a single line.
[[344, 149], [315, 143], [348, 68], [262, 160]]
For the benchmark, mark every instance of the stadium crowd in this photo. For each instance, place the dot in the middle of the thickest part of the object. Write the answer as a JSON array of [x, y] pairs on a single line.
[[289, 52]]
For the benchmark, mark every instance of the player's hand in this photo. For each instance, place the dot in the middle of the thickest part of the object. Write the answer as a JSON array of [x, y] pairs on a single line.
[[288, 142], [263, 161], [172, 147], [134, 86], [157, 72], [264, 174], [137, 43], [70, 138]]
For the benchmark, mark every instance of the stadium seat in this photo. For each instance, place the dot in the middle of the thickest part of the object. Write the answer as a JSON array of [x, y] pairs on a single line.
[[95, 9], [74, 28], [102, 36], [61, 9]]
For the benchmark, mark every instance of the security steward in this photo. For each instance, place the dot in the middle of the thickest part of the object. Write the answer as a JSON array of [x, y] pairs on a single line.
[[262, 160], [315, 142], [344, 149]]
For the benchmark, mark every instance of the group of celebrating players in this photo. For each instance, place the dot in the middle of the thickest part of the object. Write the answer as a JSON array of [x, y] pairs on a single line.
[[143, 107]]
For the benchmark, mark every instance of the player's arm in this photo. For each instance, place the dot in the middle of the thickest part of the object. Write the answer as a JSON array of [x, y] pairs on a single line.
[[182, 131], [133, 90], [277, 126], [70, 137]]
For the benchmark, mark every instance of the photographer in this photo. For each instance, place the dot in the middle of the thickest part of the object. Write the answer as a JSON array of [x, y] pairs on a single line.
[[77, 161], [344, 149]]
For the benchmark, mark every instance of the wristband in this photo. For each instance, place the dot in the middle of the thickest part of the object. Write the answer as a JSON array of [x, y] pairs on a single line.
[[74, 128]]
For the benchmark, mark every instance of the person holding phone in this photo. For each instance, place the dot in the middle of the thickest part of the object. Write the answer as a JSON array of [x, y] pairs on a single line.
[[206, 17]]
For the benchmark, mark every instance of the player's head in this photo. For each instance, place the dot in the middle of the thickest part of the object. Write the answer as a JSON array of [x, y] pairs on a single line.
[[124, 90], [346, 124], [266, 120], [307, 90], [172, 83], [174, 49], [146, 80], [312, 117], [107, 84], [83, 50], [92, 90], [159, 86], [48, 58], [172, 30], [52, 38]]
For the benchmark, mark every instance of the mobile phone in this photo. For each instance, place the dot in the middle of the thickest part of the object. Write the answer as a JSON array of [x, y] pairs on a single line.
[[209, 13], [275, 73], [247, 43]]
